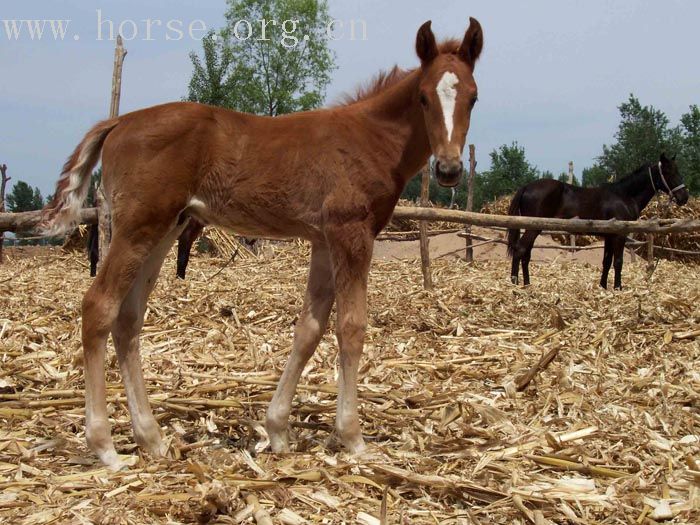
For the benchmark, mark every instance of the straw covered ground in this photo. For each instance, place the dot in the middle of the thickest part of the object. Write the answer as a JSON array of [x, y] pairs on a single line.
[[606, 433]]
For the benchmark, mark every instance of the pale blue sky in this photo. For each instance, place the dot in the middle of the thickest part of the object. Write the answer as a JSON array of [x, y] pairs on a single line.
[[551, 76]]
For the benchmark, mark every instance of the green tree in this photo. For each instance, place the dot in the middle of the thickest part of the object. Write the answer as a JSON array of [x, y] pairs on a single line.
[[213, 81], [594, 176], [23, 198], [262, 62], [643, 134], [547, 175], [689, 157], [509, 171]]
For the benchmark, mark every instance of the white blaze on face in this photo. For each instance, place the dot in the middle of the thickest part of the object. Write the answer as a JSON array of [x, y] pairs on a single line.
[[447, 94]]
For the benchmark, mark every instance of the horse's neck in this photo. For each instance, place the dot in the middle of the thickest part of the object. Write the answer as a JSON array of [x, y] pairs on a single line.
[[646, 191], [397, 116], [639, 188]]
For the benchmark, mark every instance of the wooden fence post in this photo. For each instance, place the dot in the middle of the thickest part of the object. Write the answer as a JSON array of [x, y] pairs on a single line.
[[469, 257], [572, 237], [104, 219], [3, 185], [650, 254], [423, 228]]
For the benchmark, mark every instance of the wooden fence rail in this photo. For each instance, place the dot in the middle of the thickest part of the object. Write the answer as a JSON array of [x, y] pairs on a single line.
[[28, 221], [656, 226], [21, 222]]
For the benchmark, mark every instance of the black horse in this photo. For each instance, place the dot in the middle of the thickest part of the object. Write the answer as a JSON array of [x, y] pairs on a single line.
[[622, 200], [184, 247]]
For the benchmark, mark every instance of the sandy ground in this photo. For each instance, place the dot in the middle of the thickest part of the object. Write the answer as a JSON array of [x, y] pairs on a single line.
[[449, 245]]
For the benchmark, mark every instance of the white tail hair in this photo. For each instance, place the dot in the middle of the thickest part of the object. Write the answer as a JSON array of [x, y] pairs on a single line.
[[63, 213]]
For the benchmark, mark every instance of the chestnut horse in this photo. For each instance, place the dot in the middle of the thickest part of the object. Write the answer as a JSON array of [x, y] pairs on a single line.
[[623, 200], [330, 176]]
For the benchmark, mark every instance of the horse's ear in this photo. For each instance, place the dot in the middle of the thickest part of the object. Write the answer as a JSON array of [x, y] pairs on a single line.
[[473, 43], [674, 157], [426, 46]]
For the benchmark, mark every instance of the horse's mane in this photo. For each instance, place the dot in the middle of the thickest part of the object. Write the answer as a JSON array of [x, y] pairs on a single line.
[[385, 79], [629, 181]]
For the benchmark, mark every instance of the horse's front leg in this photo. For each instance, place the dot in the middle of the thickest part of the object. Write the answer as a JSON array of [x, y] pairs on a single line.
[[607, 262], [307, 334], [351, 254]]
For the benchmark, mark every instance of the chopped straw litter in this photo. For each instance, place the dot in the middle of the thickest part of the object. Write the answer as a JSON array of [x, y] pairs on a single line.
[[608, 432]]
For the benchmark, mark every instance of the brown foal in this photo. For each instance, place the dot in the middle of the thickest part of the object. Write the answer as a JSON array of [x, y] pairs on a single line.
[[332, 177]]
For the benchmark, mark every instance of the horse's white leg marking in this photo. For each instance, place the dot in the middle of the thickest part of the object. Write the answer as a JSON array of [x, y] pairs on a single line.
[[97, 426], [447, 94], [309, 330]]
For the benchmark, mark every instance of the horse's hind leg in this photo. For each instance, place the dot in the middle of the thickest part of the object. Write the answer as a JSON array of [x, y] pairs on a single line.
[[527, 242], [308, 332], [125, 333], [515, 267], [102, 303], [619, 253]]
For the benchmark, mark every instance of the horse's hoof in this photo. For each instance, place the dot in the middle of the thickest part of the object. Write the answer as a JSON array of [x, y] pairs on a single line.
[[279, 441], [514, 279]]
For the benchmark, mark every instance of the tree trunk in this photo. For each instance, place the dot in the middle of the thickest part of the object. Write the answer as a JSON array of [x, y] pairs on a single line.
[[3, 186], [104, 218], [572, 237], [470, 200]]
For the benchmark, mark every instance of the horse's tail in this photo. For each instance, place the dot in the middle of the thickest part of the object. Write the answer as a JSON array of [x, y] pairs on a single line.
[[63, 212], [514, 209]]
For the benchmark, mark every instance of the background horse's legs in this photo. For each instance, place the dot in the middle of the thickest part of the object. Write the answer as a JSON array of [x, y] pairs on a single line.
[[515, 266], [93, 248], [527, 242], [125, 332], [307, 334], [619, 254], [184, 245], [351, 252], [607, 261]]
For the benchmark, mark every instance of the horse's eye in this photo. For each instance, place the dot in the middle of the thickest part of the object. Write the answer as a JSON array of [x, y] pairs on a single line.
[[423, 100]]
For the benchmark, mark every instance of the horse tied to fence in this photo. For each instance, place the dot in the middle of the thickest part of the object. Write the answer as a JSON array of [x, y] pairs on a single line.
[[331, 176], [623, 200]]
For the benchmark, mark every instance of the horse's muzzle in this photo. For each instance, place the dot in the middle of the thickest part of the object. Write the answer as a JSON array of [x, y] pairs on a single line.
[[449, 173], [681, 196]]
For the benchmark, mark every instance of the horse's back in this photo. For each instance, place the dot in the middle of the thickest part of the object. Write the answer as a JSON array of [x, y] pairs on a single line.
[[541, 198], [553, 198]]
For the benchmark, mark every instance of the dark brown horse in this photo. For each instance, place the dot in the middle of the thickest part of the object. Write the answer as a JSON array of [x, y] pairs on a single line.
[[332, 176], [623, 200]]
